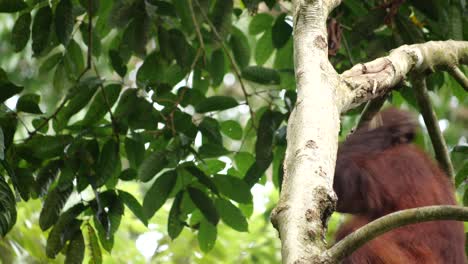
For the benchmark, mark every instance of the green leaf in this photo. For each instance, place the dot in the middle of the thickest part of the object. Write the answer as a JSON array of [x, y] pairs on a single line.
[[2, 144], [44, 147], [221, 16], [216, 67], [174, 223], [52, 207], [21, 32], [264, 48], [232, 129], [409, 32], [64, 21], [461, 149], [12, 6], [23, 181], [284, 58], [281, 32], [151, 71], [94, 249], [153, 164], [205, 204], [8, 89], [128, 174], [356, 7], [41, 29], [202, 178], [159, 192], [212, 150], [462, 174], [209, 128], [260, 23], [207, 236], [234, 188], [107, 165], [231, 215], [29, 103], [75, 249], [117, 63], [134, 206], [135, 152], [212, 166], [185, 53], [216, 103], [261, 75], [269, 123], [78, 101], [455, 25], [7, 208], [240, 47], [243, 161], [101, 103], [74, 60], [50, 63], [65, 225]]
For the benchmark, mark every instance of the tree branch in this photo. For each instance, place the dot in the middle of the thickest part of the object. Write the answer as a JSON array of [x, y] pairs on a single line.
[[391, 221], [460, 77], [432, 125], [366, 81]]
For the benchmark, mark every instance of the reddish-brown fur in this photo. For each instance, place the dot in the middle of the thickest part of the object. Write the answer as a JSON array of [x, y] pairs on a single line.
[[378, 172]]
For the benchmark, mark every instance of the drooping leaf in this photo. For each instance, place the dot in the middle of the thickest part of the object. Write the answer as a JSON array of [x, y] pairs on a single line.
[[76, 249], [216, 67], [153, 164], [135, 152], [221, 16], [281, 32], [21, 32], [231, 215], [41, 29], [174, 222], [264, 48], [52, 207], [185, 53], [216, 103], [132, 203], [117, 63], [63, 230], [202, 178], [95, 254], [207, 235], [64, 21], [240, 47], [7, 208], [205, 204], [107, 166], [158, 193]]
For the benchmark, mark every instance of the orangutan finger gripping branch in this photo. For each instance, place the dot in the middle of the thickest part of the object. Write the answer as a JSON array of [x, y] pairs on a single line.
[[379, 171]]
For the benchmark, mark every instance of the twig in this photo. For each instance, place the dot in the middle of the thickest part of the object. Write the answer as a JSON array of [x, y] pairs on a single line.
[[391, 221], [459, 76], [430, 119], [231, 59], [371, 108], [197, 29], [348, 51]]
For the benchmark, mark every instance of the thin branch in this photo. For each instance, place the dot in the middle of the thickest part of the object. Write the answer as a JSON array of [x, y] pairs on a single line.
[[231, 59], [197, 29], [391, 221], [460, 77], [430, 119], [348, 51], [372, 107]]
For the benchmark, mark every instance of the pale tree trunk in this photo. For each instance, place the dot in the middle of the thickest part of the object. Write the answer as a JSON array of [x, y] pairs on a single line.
[[307, 198]]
